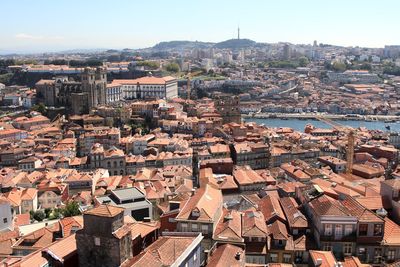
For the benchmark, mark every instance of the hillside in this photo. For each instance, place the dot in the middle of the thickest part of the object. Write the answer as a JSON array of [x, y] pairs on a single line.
[[235, 44], [174, 45]]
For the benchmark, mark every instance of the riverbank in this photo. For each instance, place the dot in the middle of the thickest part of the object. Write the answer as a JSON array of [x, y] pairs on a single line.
[[300, 124], [313, 116]]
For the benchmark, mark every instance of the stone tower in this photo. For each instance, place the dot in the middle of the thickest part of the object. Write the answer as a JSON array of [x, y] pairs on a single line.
[[104, 241], [228, 106], [94, 83]]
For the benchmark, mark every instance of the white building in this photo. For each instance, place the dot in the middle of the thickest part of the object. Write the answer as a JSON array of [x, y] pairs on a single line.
[[5, 214], [113, 93], [148, 88]]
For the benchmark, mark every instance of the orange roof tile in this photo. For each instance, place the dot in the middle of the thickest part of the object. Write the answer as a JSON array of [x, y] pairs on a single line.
[[105, 211]]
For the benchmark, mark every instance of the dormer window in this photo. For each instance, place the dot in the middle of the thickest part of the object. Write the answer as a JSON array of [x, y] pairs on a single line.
[[378, 229], [195, 213]]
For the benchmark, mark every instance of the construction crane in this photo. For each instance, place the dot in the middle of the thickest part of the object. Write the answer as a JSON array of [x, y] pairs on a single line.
[[350, 140], [188, 85]]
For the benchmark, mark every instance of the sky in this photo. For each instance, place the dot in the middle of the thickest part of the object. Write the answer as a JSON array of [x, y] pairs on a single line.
[[56, 25]]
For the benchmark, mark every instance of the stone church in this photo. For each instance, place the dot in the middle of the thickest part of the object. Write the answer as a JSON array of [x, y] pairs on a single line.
[[77, 97]]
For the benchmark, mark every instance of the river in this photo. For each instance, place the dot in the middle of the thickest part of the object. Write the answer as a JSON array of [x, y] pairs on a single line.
[[299, 125]]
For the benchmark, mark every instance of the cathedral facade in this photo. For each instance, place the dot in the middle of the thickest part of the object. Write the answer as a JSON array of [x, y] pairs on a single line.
[[77, 97]]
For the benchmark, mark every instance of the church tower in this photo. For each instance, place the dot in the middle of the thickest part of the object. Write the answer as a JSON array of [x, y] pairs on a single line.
[[104, 241], [94, 83]]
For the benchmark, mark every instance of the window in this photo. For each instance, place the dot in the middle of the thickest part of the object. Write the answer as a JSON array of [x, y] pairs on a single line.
[[327, 246], [378, 229], [348, 230], [391, 254], [363, 229], [184, 227], [273, 257], [204, 228], [377, 255], [5, 220], [347, 248], [328, 229], [287, 258], [195, 227], [97, 241], [338, 230]]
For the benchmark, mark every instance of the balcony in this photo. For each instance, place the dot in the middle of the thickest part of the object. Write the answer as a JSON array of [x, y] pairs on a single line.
[[342, 238], [369, 239]]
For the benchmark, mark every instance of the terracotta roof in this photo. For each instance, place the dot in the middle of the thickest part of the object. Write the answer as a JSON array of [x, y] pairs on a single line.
[[163, 252], [278, 231], [356, 209], [253, 224], [271, 209], [326, 206], [225, 255], [327, 258], [146, 80], [143, 228], [391, 235], [353, 262], [373, 202], [294, 217], [229, 226], [105, 211], [205, 202], [245, 176]]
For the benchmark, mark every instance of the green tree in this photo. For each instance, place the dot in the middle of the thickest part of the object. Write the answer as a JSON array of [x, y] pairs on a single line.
[[47, 211], [55, 214], [6, 78], [338, 66], [172, 67], [40, 108], [39, 215], [149, 64], [303, 61], [71, 209]]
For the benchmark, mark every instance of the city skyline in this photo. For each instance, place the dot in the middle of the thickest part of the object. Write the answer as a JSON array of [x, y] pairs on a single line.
[[92, 25]]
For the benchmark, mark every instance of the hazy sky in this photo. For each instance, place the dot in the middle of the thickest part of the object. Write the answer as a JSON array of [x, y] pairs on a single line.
[[52, 25]]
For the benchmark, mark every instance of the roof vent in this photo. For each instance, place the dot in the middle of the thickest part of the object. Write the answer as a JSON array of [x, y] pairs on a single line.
[[318, 262], [237, 256], [382, 212]]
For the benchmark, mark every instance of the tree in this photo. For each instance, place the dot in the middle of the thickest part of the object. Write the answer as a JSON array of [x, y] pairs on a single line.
[[39, 215], [6, 78], [149, 64], [71, 209], [47, 211], [338, 66], [172, 67], [40, 108], [303, 61], [55, 214]]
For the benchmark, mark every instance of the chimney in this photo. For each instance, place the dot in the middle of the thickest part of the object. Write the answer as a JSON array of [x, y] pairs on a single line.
[[237, 256], [318, 262]]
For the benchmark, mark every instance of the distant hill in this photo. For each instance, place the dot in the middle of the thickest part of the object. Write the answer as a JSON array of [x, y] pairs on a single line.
[[173, 45], [235, 44]]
